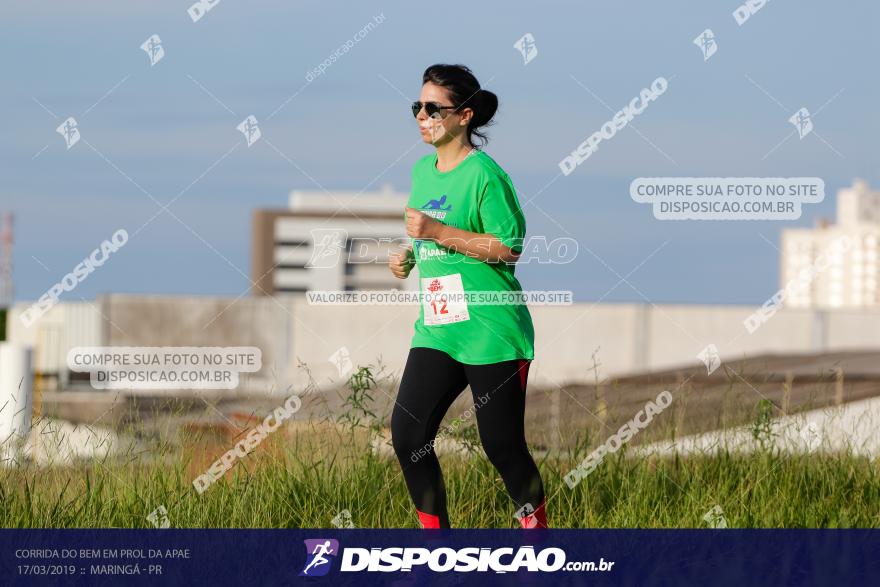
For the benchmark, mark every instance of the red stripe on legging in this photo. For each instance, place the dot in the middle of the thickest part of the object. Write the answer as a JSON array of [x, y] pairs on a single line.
[[537, 519], [428, 520], [523, 373]]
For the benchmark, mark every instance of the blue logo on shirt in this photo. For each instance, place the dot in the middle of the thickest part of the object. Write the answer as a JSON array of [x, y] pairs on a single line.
[[436, 208], [437, 204]]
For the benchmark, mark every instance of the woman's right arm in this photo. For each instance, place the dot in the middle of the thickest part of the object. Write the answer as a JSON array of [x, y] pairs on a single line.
[[401, 262]]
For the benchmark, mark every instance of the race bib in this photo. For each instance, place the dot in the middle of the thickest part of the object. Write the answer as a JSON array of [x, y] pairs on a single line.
[[443, 300]]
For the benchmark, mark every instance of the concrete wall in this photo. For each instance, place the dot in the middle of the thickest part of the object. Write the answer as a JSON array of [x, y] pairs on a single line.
[[206, 321], [367, 335], [676, 333], [853, 330], [293, 335], [568, 337]]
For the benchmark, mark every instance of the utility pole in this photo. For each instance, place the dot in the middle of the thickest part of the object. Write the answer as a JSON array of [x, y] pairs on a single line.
[[6, 240]]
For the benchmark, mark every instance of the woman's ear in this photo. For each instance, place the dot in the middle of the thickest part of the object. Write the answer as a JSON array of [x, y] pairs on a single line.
[[466, 115]]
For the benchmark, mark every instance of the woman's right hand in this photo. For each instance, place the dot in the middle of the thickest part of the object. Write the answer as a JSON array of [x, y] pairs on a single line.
[[401, 262]]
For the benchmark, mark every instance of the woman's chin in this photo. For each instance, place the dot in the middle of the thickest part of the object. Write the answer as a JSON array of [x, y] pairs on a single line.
[[435, 140]]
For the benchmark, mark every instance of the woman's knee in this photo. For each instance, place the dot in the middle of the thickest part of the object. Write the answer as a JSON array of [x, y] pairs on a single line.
[[505, 453], [406, 436]]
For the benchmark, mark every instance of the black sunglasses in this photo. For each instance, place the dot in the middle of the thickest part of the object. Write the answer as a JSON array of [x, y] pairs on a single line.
[[432, 109]]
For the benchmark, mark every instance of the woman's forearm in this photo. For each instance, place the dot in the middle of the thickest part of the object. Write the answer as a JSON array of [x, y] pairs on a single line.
[[484, 247]]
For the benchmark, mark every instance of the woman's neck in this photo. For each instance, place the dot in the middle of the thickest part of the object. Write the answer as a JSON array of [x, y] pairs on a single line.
[[451, 154]]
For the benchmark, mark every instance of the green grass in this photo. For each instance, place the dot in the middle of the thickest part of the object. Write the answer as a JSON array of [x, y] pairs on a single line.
[[305, 474], [754, 491]]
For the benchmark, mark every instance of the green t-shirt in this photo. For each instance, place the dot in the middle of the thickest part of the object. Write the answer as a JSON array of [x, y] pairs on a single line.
[[478, 196]]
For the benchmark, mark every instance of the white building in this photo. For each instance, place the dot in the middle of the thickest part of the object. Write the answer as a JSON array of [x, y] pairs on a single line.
[[842, 257], [337, 241]]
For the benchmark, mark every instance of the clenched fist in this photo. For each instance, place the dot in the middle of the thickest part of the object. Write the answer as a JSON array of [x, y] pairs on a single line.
[[401, 262], [422, 226]]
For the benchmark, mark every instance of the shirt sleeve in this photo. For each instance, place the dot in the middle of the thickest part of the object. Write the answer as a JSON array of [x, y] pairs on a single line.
[[500, 213]]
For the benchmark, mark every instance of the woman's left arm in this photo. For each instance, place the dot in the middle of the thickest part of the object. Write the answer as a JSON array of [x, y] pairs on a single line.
[[484, 247]]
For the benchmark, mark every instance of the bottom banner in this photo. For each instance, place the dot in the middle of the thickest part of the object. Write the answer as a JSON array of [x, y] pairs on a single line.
[[399, 557]]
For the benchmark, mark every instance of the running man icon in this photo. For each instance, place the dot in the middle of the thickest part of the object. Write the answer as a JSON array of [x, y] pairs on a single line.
[[317, 563]]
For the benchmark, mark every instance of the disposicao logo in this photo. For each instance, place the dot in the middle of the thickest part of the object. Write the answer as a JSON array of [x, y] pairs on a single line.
[[440, 560], [317, 552]]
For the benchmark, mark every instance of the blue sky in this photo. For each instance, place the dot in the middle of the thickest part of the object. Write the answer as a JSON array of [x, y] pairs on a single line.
[[173, 125]]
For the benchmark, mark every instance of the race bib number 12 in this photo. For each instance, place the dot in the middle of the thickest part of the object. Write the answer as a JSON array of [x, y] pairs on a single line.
[[444, 301]]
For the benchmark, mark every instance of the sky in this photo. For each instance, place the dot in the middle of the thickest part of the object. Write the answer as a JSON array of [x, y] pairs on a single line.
[[164, 133]]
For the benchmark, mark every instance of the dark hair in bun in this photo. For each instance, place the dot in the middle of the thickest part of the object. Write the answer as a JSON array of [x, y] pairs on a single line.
[[465, 92]]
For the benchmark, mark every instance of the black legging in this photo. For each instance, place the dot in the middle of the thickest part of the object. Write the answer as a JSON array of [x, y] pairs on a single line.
[[430, 383]]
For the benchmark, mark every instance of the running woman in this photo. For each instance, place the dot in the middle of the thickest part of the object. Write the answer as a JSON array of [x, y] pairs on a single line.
[[467, 229]]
